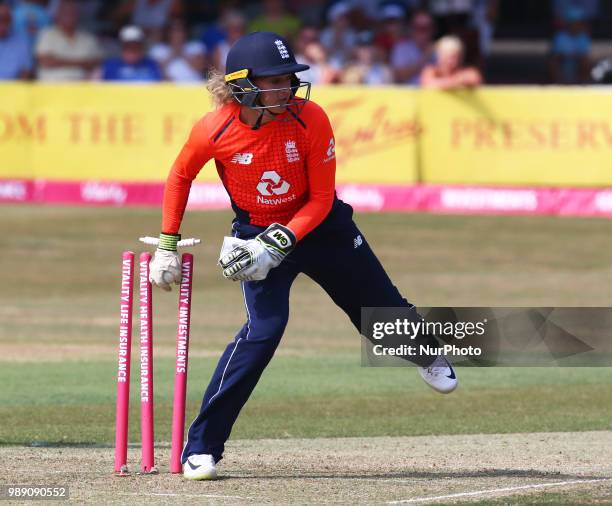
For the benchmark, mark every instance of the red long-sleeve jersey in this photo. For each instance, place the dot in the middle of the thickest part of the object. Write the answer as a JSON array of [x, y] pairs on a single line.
[[283, 172]]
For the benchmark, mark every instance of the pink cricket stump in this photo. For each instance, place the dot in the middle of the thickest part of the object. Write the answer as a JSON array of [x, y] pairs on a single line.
[[182, 360], [123, 371], [147, 461]]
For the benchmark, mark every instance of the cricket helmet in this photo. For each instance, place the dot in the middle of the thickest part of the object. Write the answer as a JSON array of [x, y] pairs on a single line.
[[262, 54]]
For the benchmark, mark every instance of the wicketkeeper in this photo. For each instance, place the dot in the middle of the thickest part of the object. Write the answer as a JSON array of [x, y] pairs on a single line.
[[274, 150]]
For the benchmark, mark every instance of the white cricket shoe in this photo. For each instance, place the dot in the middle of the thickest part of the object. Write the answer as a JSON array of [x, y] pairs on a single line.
[[440, 375], [200, 467]]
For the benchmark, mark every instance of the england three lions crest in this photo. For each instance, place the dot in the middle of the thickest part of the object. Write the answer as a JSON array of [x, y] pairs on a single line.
[[291, 151]]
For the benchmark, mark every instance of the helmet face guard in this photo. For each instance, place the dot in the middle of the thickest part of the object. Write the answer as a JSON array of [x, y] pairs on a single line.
[[247, 93]]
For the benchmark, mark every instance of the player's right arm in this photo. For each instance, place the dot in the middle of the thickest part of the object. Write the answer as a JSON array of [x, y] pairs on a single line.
[[192, 157], [166, 266]]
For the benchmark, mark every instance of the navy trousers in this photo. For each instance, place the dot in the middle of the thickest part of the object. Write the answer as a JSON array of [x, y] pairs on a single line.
[[338, 258]]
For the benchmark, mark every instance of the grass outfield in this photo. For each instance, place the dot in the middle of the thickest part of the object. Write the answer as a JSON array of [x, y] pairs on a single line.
[[59, 317], [533, 435], [305, 397]]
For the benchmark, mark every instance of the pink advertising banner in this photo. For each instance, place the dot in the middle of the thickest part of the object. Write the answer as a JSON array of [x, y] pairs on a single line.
[[363, 197]]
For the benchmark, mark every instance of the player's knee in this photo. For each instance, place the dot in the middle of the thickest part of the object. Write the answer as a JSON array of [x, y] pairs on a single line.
[[268, 330]]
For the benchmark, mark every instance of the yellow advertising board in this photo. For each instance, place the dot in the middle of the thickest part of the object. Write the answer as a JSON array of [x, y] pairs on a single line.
[[133, 133], [376, 131], [517, 136], [114, 132], [393, 135], [20, 130]]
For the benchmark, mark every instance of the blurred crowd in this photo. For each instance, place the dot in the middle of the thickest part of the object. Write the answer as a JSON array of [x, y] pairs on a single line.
[[431, 43]]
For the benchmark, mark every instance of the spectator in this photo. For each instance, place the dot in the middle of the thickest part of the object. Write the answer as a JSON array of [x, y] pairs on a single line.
[[366, 66], [338, 38], [451, 16], [310, 12], [198, 14], [215, 33], [64, 52], [151, 15], [234, 26], [181, 60], [308, 34], [372, 9], [410, 56], [454, 17], [29, 18], [90, 14], [275, 18], [132, 65], [393, 28], [448, 73], [484, 17], [561, 9], [320, 71], [570, 53], [15, 56]]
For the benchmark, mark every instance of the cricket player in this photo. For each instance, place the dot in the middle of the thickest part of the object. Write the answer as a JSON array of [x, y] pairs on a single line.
[[275, 154]]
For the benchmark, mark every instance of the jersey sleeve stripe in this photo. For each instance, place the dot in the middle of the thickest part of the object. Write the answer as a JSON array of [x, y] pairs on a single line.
[[224, 128], [297, 118]]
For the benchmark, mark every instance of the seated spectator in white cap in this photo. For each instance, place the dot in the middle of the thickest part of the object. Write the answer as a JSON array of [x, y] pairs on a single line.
[[338, 38], [132, 65], [15, 57], [64, 52], [181, 60], [449, 73]]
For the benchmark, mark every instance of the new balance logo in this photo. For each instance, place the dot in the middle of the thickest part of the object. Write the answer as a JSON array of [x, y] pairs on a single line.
[[358, 241], [243, 158]]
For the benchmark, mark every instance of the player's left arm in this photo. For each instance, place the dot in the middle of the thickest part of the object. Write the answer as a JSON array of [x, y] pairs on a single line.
[[321, 170]]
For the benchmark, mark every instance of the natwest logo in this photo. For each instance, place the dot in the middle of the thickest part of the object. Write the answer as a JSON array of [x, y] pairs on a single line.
[[272, 184]]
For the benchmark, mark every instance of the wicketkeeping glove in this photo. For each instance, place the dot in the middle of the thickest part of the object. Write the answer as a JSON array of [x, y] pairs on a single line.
[[165, 267], [253, 260]]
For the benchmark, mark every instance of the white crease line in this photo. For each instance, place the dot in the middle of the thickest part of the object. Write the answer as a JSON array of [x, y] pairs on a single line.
[[495, 490], [211, 496]]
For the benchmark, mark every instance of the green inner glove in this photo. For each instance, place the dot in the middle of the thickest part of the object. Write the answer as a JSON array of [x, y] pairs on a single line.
[[168, 242]]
